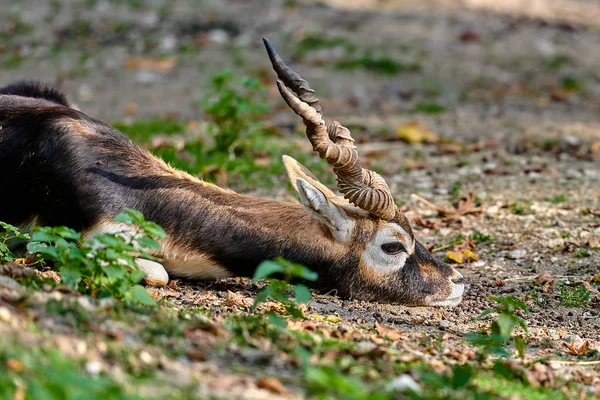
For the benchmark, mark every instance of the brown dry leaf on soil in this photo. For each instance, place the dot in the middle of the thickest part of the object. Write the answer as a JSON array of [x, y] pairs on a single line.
[[466, 244], [578, 351], [392, 334], [462, 256], [236, 299], [426, 223], [414, 133], [465, 206], [546, 280], [271, 384], [594, 211]]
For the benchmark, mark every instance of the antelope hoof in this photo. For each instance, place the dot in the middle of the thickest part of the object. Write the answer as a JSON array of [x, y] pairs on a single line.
[[156, 275]]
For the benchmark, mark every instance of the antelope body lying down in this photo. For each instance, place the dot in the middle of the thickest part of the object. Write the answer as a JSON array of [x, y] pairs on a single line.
[[62, 167]]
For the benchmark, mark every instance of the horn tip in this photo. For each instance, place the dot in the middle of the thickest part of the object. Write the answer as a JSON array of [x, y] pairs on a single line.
[[269, 47]]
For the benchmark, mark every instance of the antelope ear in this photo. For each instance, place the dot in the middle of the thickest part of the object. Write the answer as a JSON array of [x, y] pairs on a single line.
[[317, 204], [295, 170]]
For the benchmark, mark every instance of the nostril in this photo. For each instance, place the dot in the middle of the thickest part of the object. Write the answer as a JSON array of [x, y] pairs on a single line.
[[458, 280]]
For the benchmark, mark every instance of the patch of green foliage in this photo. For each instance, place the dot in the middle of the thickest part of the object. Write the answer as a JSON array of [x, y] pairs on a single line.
[[521, 208], [559, 198], [380, 64], [317, 41], [227, 148], [574, 296], [102, 265], [582, 253], [456, 191], [429, 108], [7, 234], [557, 62], [277, 288], [571, 83], [235, 105], [33, 373], [501, 328], [480, 237]]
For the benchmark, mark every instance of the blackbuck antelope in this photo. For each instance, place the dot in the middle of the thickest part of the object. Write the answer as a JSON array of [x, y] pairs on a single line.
[[59, 166]]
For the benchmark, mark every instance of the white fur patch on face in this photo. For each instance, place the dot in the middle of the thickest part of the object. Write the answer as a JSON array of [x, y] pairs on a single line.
[[455, 296], [379, 260]]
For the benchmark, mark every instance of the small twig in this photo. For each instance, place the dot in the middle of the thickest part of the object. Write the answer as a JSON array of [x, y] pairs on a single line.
[[532, 278], [435, 249], [425, 201], [565, 362]]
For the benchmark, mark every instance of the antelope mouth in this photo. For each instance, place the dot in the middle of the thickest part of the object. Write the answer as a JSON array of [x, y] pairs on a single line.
[[450, 302]]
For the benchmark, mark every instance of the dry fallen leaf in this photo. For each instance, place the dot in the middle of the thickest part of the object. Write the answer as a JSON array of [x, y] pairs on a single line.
[[150, 64], [386, 332], [462, 256], [456, 256], [470, 255], [236, 299], [271, 384], [466, 244], [464, 206], [578, 351], [414, 133]]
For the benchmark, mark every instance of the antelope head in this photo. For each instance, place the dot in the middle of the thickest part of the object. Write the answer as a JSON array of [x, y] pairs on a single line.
[[388, 263]]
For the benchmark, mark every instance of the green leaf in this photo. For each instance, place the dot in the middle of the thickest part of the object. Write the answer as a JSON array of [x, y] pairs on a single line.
[[266, 269], [148, 242], [69, 276], [262, 296], [461, 375], [155, 230], [35, 247], [506, 324], [277, 321], [43, 236], [308, 274], [67, 233], [520, 346], [302, 293], [141, 295]]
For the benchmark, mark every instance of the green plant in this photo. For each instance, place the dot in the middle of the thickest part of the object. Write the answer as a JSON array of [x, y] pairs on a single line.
[[8, 233], [235, 105], [521, 208], [574, 296], [501, 328], [36, 373], [379, 64], [455, 191], [581, 253], [277, 288], [104, 264], [559, 198], [429, 108], [480, 237], [316, 41]]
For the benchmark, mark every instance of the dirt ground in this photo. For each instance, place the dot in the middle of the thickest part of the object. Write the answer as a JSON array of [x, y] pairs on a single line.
[[520, 128]]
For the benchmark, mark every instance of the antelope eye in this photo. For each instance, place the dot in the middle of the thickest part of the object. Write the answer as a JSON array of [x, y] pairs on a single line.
[[392, 247]]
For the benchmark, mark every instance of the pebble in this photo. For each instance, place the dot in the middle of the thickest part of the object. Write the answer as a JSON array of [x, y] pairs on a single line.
[[443, 324], [146, 357], [478, 264], [517, 254], [5, 315], [93, 367], [493, 210], [403, 383]]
